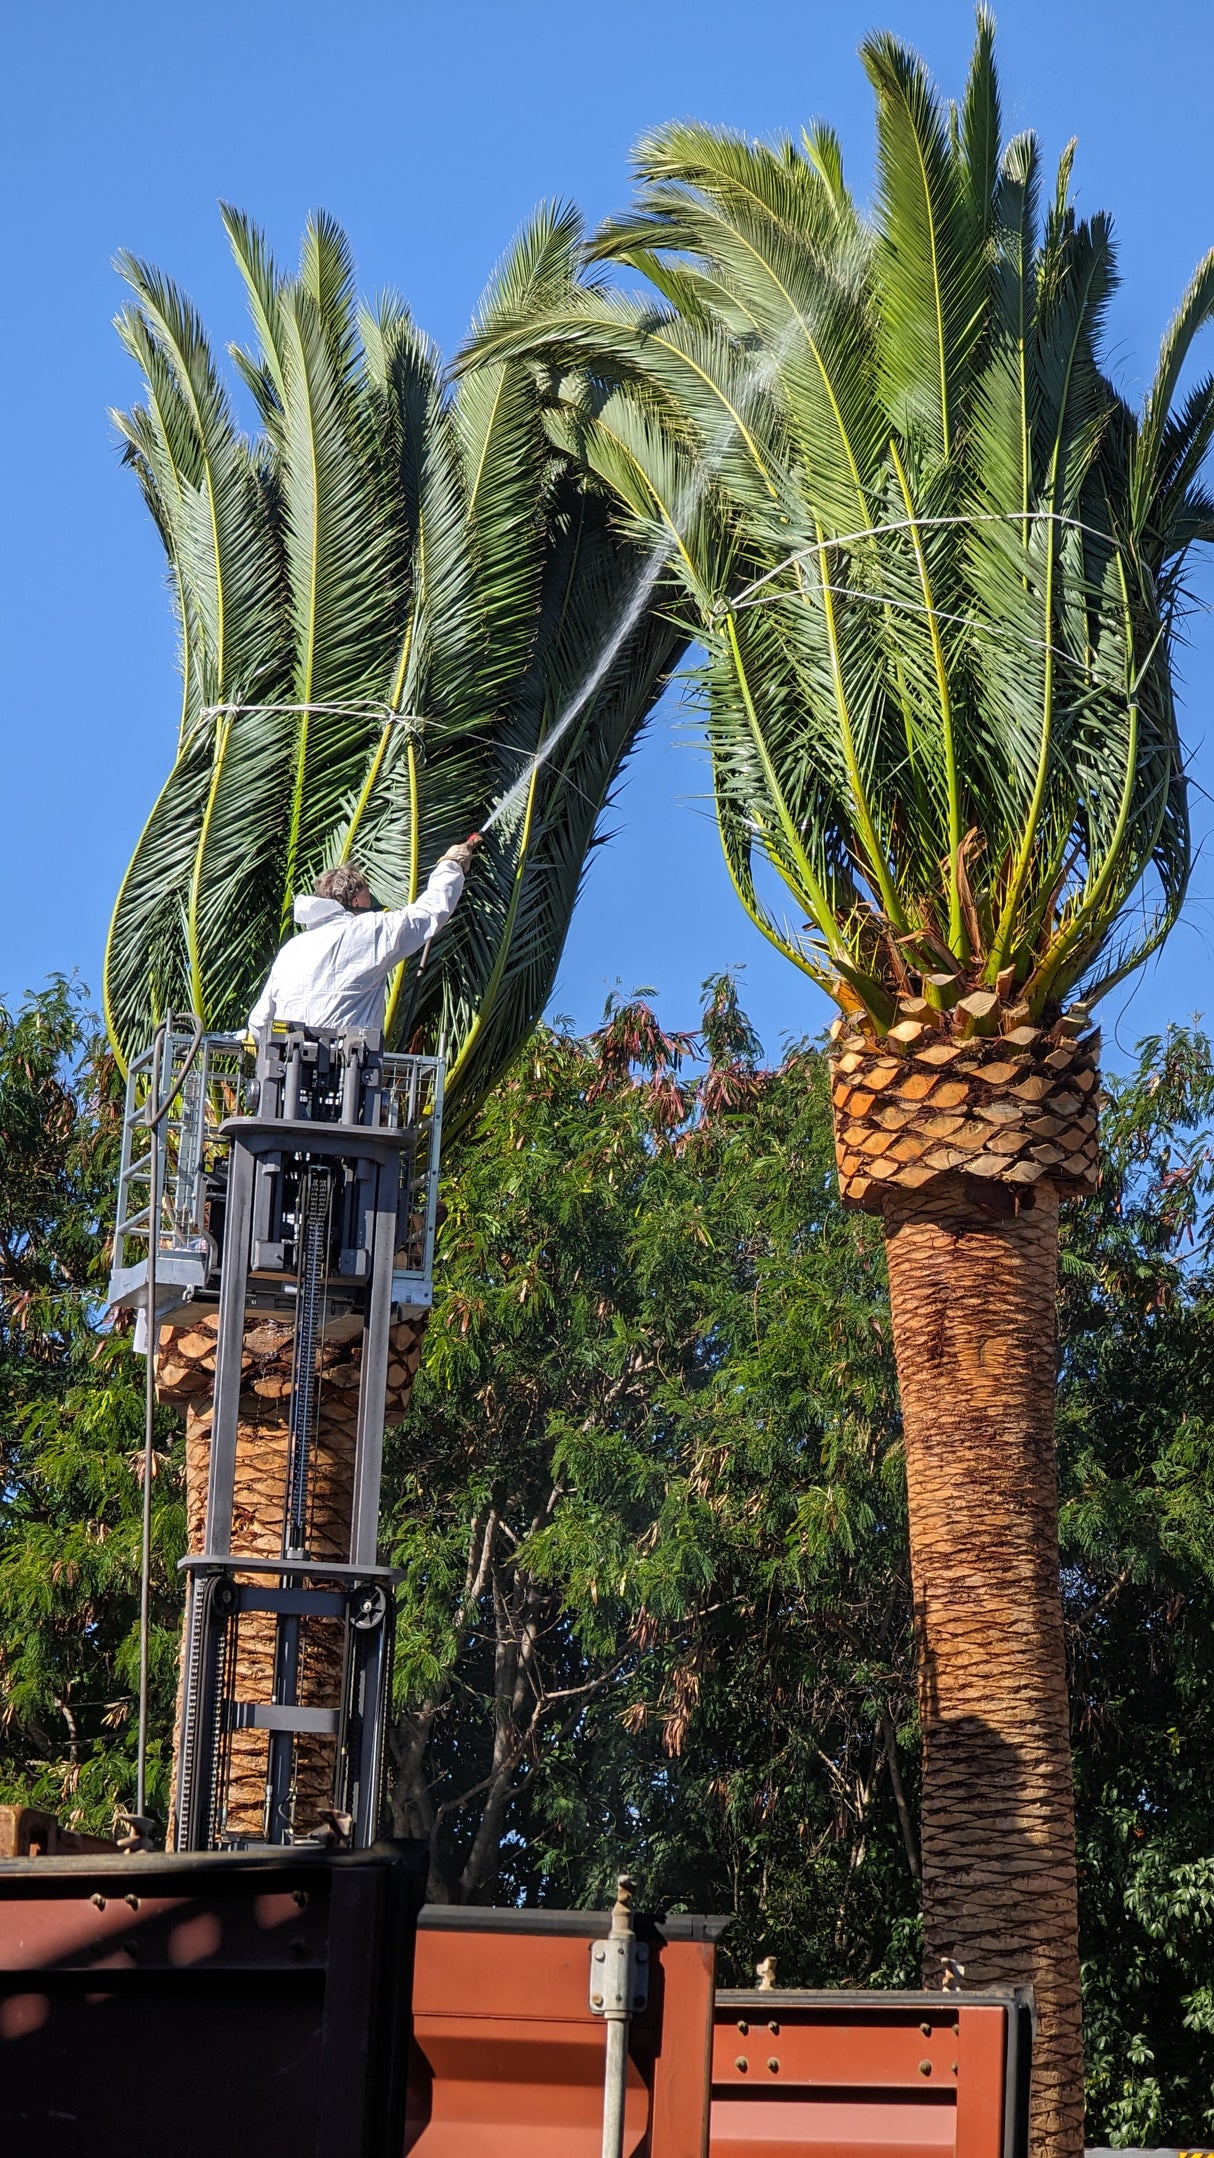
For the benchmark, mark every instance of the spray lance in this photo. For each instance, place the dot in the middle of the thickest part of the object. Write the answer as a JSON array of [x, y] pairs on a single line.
[[468, 849]]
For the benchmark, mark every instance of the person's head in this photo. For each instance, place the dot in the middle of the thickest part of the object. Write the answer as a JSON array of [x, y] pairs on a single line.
[[348, 885]]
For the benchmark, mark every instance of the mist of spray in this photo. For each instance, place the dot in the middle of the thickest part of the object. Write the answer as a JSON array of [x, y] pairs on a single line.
[[651, 569]]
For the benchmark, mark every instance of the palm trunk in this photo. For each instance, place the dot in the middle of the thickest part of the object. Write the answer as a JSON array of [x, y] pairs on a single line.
[[973, 1299], [186, 1378], [964, 1144]]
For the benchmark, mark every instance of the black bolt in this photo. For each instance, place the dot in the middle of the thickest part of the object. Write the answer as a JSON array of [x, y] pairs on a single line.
[[925, 2068], [743, 2027], [774, 2066], [774, 2028], [742, 2064], [99, 1900], [926, 2029]]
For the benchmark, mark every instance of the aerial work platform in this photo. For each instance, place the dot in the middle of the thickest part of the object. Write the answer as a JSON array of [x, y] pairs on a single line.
[[224, 1081], [304, 1190]]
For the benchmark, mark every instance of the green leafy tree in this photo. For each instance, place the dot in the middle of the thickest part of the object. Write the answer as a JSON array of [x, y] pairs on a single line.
[[71, 1431], [936, 565], [1137, 1459], [652, 1459]]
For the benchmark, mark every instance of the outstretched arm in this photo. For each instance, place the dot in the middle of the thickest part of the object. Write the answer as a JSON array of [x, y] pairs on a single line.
[[406, 929]]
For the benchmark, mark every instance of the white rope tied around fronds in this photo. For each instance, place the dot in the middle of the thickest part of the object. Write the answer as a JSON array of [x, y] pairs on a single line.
[[942, 614], [382, 712], [745, 598]]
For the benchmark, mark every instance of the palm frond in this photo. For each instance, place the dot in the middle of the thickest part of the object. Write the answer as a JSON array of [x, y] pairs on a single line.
[[931, 264], [980, 130], [1195, 311]]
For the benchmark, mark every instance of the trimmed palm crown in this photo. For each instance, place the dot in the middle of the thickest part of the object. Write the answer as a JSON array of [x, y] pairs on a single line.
[[386, 598], [934, 560]]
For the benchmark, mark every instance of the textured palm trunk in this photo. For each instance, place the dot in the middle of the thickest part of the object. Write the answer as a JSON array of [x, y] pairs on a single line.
[[964, 1146], [973, 1314], [186, 1378]]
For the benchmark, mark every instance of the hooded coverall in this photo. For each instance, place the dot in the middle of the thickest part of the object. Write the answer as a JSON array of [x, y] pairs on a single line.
[[334, 975]]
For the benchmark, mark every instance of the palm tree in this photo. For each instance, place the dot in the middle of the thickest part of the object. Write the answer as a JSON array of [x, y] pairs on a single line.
[[387, 598], [936, 566]]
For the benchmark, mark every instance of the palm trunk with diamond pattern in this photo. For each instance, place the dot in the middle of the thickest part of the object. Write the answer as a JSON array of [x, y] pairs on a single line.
[[185, 1377], [964, 1145]]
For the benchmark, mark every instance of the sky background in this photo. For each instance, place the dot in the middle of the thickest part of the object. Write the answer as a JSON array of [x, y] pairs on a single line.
[[430, 133]]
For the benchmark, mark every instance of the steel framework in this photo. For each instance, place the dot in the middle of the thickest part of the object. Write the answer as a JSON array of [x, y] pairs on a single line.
[[305, 1188], [220, 1084]]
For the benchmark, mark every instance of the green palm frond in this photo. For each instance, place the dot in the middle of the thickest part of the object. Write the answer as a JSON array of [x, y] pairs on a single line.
[[937, 681], [929, 258], [387, 601], [981, 130]]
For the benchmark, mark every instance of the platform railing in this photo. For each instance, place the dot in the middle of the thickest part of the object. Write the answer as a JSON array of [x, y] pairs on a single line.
[[218, 1084]]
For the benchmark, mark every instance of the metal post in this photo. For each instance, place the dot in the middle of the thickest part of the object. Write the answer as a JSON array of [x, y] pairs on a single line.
[[369, 1444], [161, 1097], [221, 1478], [291, 1080], [351, 1087], [149, 1419], [619, 1987]]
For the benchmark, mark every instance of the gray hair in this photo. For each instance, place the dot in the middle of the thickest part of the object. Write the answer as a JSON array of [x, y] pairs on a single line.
[[345, 884]]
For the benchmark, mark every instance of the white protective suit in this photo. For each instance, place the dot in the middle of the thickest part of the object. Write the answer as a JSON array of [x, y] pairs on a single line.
[[334, 975]]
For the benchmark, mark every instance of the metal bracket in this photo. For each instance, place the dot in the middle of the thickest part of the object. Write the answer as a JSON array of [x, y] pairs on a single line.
[[267, 1716], [619, 1976], [323, 1569]]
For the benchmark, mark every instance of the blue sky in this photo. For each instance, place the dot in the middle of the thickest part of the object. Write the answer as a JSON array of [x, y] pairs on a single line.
[[431, 133]]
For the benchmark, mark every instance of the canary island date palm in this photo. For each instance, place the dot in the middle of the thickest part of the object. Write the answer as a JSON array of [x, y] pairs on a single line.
[[935, 564], [387, 597]]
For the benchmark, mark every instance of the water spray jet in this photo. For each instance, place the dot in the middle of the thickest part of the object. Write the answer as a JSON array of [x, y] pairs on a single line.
[[757, 379]]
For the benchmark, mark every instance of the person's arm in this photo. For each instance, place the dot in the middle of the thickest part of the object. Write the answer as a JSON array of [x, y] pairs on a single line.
[[406, 929]]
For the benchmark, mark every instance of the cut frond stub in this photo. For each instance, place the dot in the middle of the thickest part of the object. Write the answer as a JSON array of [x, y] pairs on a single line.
[[1010, 1111]]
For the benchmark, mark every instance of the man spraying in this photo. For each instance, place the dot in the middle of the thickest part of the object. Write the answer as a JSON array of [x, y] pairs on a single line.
[[334, 975]]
